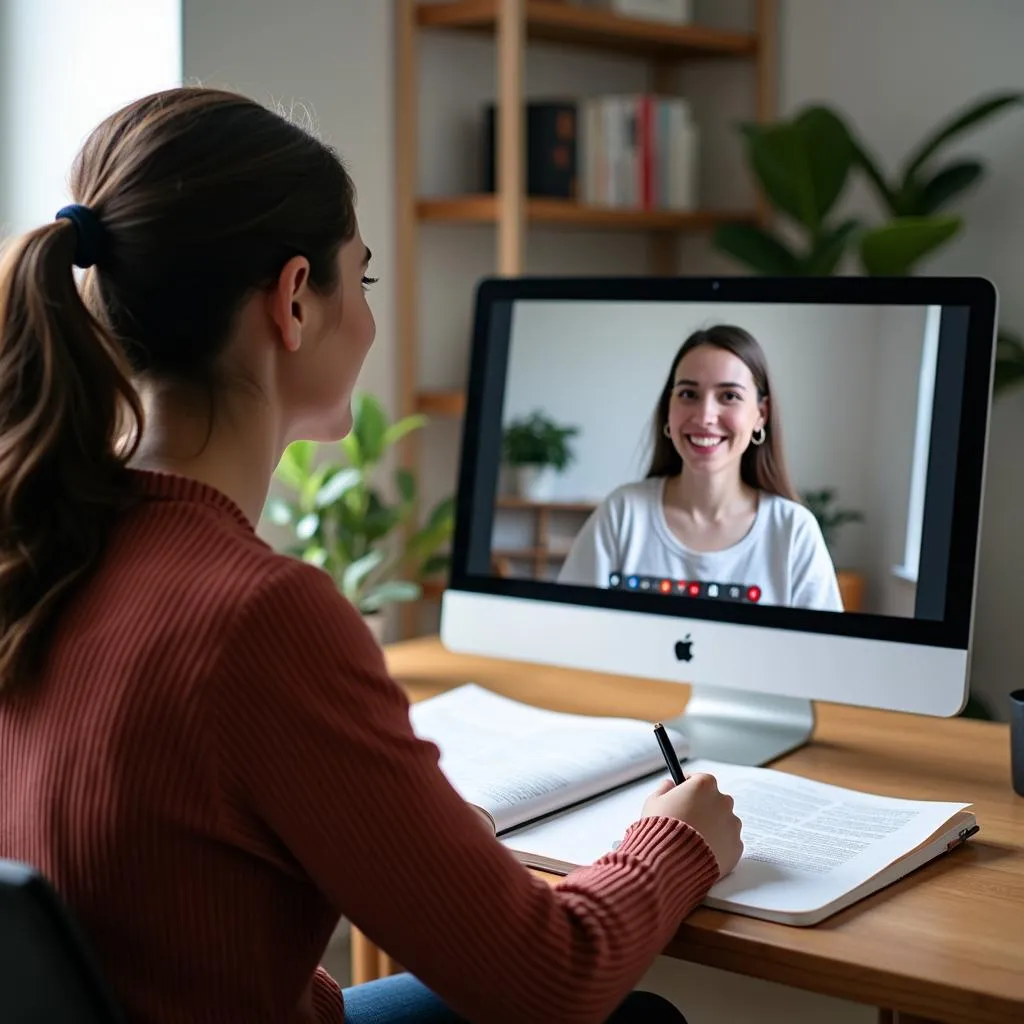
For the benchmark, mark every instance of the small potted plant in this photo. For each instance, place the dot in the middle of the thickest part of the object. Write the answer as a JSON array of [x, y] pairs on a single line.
[[831, 519], [341, 521], [537, 450]]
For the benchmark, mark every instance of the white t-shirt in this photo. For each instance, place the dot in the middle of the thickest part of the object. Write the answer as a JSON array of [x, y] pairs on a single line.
[[783, 554]]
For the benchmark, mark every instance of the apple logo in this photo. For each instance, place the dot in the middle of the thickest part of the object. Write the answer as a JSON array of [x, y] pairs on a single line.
[[684, 649]]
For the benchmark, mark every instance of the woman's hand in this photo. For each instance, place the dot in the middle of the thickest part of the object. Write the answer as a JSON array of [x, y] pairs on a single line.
[[700, 804]]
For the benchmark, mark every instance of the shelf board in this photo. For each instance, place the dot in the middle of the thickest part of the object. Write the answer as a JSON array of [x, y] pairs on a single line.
[[483, 209], [594, 29], [450, 402]]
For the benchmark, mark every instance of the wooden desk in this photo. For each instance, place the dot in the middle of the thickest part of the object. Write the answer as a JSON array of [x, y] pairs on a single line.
[[945, 944]]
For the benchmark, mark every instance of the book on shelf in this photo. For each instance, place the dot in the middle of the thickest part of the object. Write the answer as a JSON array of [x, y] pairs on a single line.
[[633, 151], [551, 149], [638, 151], [562, 789]]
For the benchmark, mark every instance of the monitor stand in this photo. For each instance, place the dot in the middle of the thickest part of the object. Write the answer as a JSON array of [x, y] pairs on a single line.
[[741, 727]]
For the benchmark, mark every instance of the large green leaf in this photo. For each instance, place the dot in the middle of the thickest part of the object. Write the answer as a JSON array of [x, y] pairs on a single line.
[[398, 430], [279, 511], [755, 248], [803, 164], [948, 183], [405, 483], [354, 574], [968, 118], [1009, 366], [307, 526], [894, 248], [337, 486], [369, 426], [443, 514], [349, 445], [311, 488], [830, 248], [295, 464], [389, 592], [425, 541], [315, 554], [867, 162], [435, 564]]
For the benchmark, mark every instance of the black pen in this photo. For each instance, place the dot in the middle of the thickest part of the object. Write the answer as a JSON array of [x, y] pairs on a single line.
[[670, 755]]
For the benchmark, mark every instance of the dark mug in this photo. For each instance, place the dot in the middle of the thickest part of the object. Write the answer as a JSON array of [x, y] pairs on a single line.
[[1017, 741]]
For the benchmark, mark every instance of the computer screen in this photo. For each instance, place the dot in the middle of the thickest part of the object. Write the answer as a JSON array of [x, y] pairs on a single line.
[[775, 462]]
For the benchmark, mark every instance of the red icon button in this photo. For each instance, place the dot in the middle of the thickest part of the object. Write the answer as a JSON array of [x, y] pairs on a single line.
[[753, 593], [694, 590], [665, 586]]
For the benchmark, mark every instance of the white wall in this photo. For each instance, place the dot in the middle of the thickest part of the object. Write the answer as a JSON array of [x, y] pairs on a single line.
[[64, 66], [329, 63]]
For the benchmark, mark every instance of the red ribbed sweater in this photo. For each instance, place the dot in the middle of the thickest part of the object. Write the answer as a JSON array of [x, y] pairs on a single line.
[[214, 766]]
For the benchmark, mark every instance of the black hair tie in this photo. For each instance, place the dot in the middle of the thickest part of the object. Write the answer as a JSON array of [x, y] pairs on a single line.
[[91, 241]]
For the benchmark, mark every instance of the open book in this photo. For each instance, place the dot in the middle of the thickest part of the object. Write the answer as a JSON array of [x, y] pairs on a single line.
[[518, 763], [810, 849], [561, 791]]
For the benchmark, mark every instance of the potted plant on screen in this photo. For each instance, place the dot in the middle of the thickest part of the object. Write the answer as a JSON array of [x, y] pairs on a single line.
[[537, 449], [831, 518], [341, 521]]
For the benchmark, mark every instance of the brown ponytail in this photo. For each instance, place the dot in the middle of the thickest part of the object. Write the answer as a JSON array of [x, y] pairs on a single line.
[[190, 201], [69, 419]]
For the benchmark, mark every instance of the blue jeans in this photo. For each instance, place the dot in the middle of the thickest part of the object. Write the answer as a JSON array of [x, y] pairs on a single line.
[[401, 999]]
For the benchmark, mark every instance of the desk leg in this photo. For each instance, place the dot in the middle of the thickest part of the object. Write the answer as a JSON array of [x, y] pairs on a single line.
[[386, 966], [365, 959], [895, 1017]]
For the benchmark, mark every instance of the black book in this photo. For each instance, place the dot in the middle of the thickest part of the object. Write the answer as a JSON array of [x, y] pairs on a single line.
[[551, 132]]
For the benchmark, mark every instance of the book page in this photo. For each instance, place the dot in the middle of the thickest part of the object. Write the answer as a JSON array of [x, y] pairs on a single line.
[[806, 843], [519, 762]]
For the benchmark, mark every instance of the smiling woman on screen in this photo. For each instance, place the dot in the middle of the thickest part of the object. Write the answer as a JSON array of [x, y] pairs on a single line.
[[716, 510]]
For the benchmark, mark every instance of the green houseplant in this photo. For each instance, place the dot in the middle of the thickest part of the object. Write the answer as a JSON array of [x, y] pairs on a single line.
[[831, 518], [537, 449], [803, 166], [342, 522]]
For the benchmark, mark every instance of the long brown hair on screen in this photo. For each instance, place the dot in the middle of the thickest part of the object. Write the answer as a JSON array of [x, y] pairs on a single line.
[[185, 203], [761, 466]]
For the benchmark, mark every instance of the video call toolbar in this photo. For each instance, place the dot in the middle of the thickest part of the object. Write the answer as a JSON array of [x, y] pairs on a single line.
[[744, 593]]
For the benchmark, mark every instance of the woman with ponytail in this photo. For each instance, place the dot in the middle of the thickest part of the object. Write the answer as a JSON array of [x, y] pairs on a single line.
[[200, 746]]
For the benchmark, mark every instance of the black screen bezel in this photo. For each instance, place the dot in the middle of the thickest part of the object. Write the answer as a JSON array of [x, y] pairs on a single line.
[[484, 410]]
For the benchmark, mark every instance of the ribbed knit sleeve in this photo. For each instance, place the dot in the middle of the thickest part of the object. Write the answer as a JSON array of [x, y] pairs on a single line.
[[313, 740]]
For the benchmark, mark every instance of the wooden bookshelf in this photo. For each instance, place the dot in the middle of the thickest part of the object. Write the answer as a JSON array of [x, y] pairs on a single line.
[[446, 402], [484, 209], [540, 554], [593, 29], [516, 25]]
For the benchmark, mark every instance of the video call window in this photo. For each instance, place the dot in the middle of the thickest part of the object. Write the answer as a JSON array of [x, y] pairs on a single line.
[[703, 437]]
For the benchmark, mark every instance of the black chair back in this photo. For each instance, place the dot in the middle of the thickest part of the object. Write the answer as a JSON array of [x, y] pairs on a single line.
[[47, 973]]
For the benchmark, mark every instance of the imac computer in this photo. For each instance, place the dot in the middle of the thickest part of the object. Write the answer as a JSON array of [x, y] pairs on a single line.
[[768, 489]]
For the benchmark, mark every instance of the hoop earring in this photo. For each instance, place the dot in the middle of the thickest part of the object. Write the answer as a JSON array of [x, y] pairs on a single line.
[[754, 439], [667, 431]]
